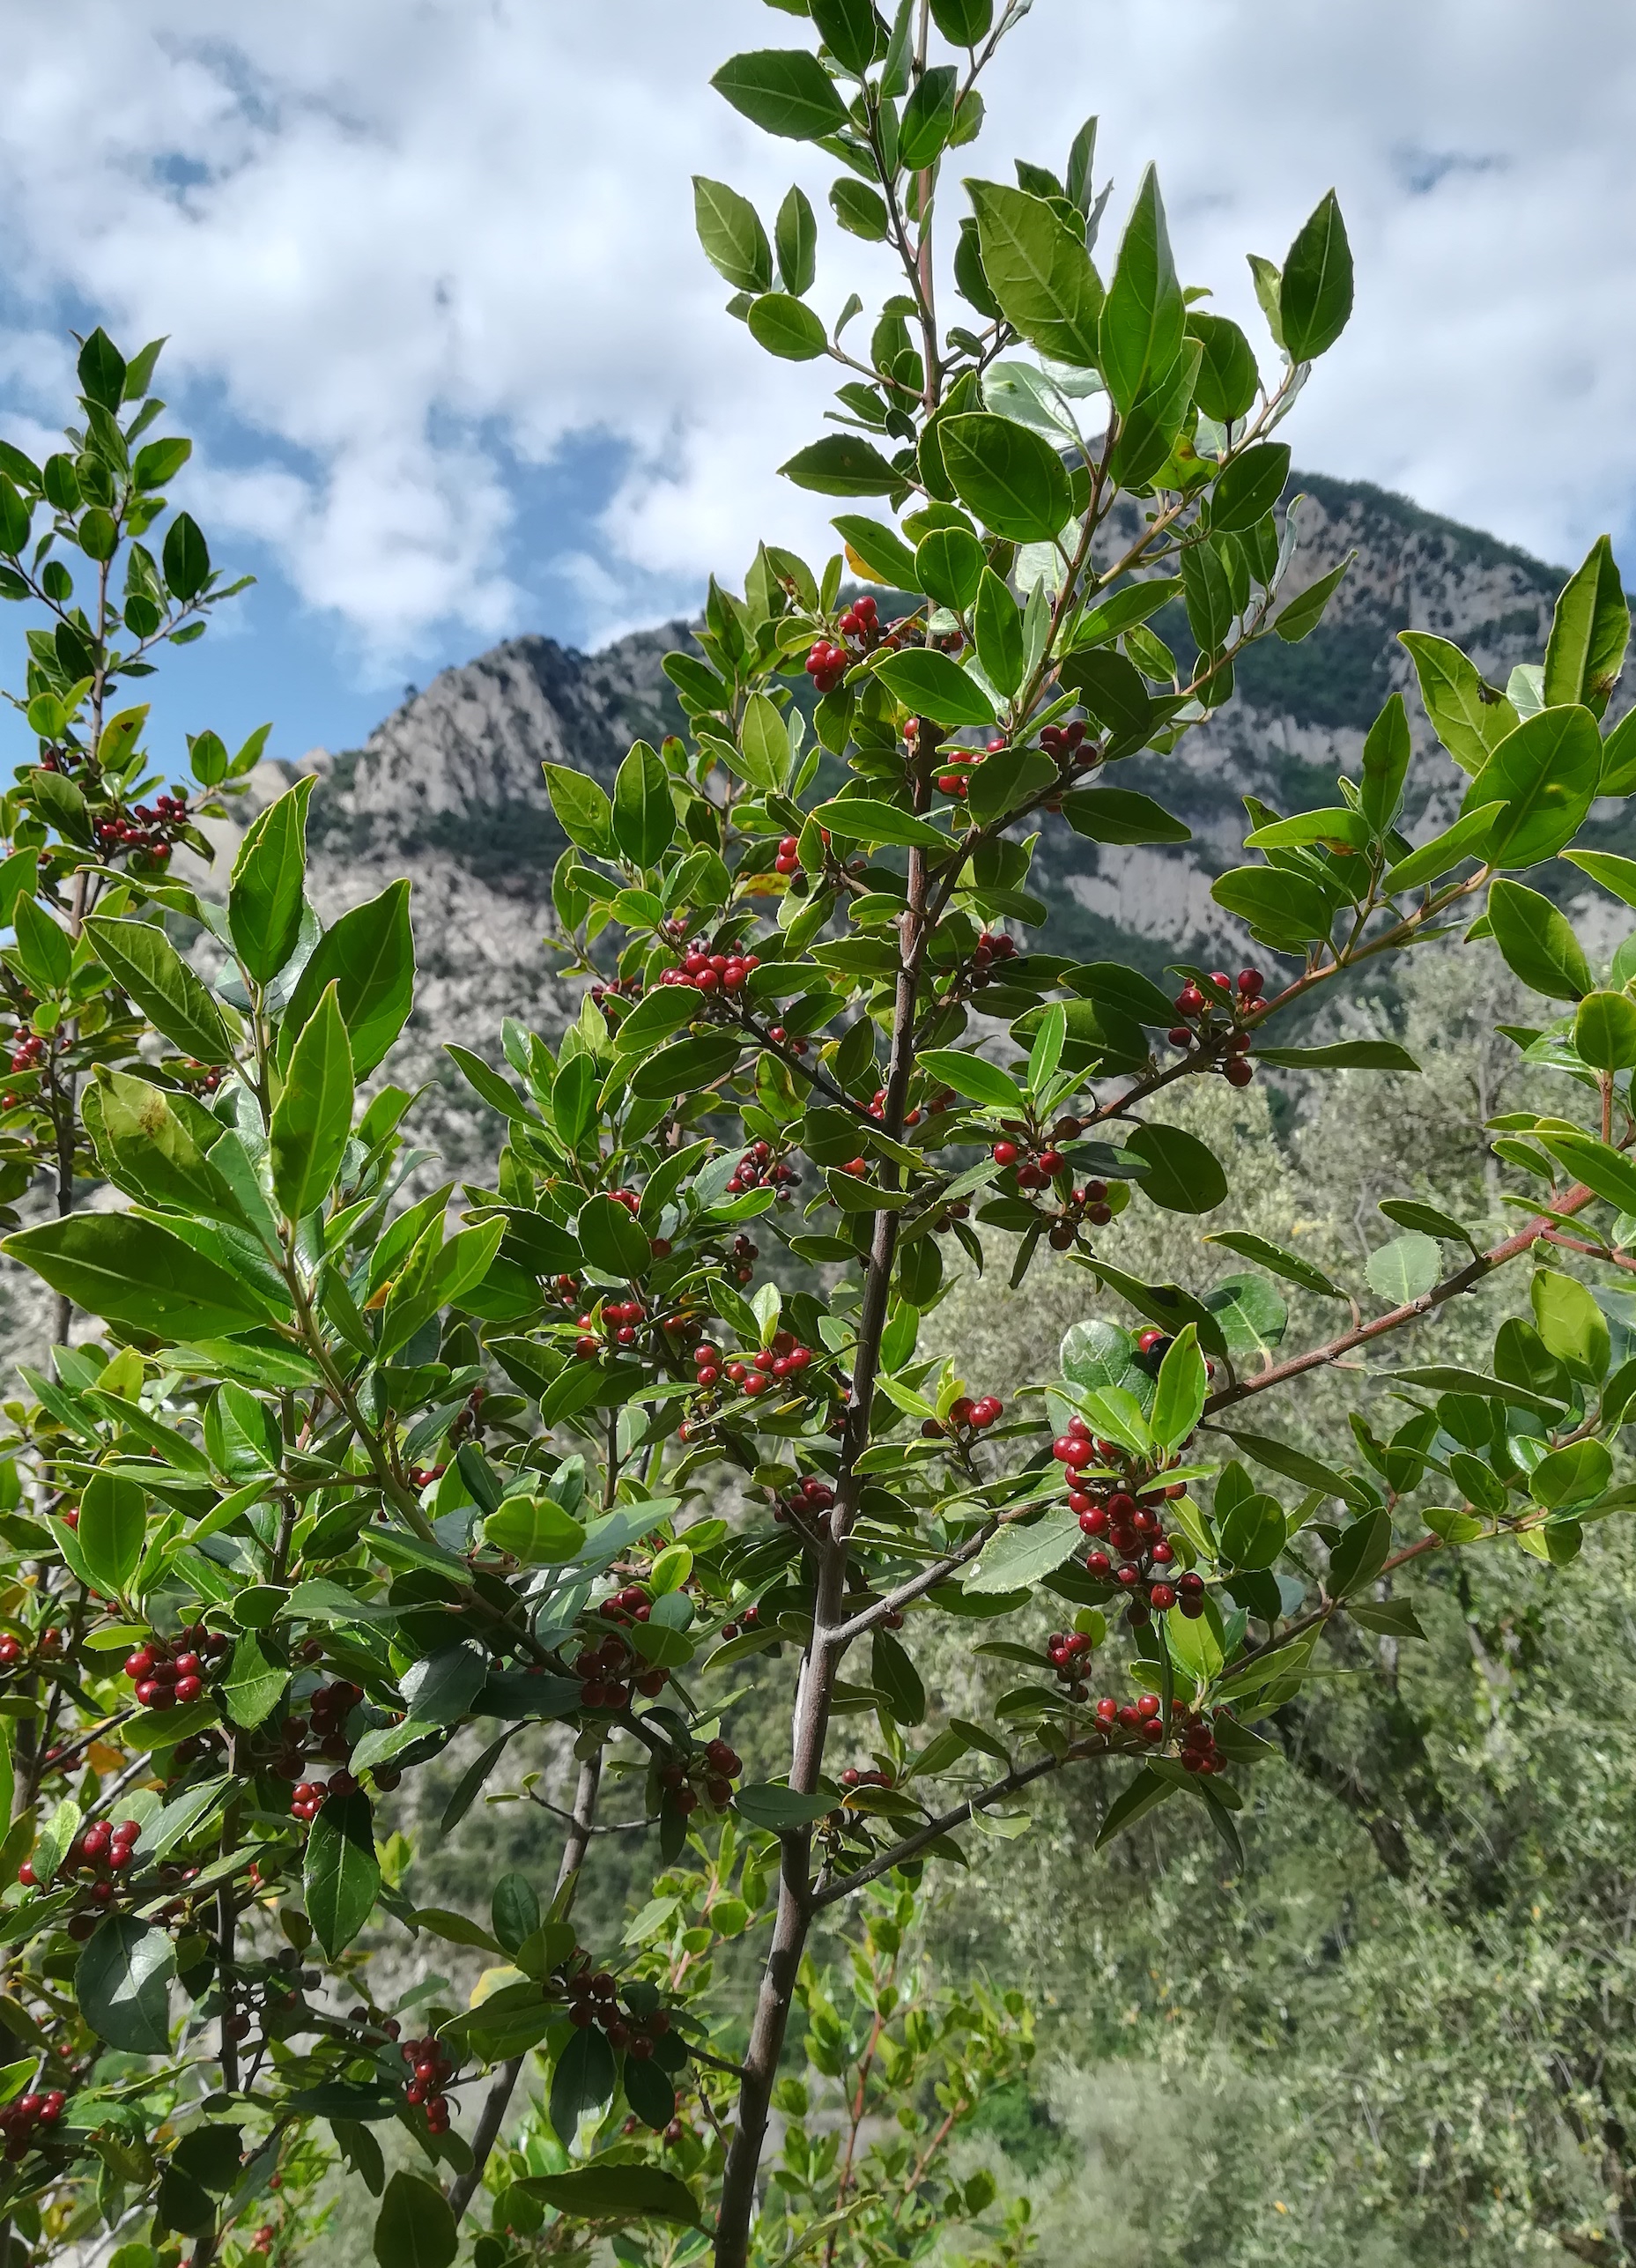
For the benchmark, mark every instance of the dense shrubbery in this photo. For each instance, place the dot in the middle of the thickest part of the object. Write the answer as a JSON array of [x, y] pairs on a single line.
[[335, 1476]]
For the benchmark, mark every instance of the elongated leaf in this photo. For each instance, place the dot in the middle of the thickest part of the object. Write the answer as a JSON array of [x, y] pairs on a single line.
[[975, 1078], [1361, 1552], [842, 464], [644, 817], [1039, 270], [1467, 838], [1342, 1055], [264, 895], [1122, 815], [1011, 478], [583, 2080], [369, 956], [341, 1877], [121, 1983], [1614, 874], [1178, 1401], [1469, 717], [112, 1527], [934, 684], [136, 1273], [1545, 774], [1140, 331], [1589, 632], [882, 551], [312, 1121], [141, 959], [1290, 1265], [687, 1065], [784, 91], [1609, 1172], [615, 2193], [1536, 942], [781, 1810], [730, 231], [1183, 1174], [861, 818], [253, 1687], [787, 327], [1250, 486], [1019, 1557], [1316, 290], [1146, 1790]]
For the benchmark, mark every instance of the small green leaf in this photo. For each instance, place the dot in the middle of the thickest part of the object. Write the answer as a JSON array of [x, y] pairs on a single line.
[[787, 327], [141, 959], [1039, 270], [781, 1810], [1316, 290], [1468, 716], [1142, 328], [370, 955], [312, 1121], [1589, 632], [1019, 1557], [1604, 1031], [341, 1877], [582, 809], [615, 2193], [1404, 1270], [1545, 774], [264, 896], [112, 1527], [1179, 1399], [730, 231], [1183, 1174], [843, 464], [975, 1078], [583, 2080], [644, 817], [863, 818]]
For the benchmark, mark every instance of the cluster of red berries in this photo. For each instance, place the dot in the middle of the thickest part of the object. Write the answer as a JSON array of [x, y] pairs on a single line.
[[98, 1849], [852, 1777], [21, 2122], [705, 1776], [1064, 742], [1069, 1653], [169, 1676], [1141, 1717], [862, 621], [992, 946], [966, 1417], [329, 1708], [1131, 1528], [707, 972], [149, 832], [594, 2001], [27, 1055], [826, 664], [758, 1169], [1198, 1751], [1042, 1162], [608, 1671], [615, 988], [1195, 1009], [308, 1797], [789, 859], [431, 2067], [423, 1476], [780, 1038], [785, 1359], [13, 1651], [954, 779], [620, 1320], [808, 1501], [202, 1078], [1086, 1206]]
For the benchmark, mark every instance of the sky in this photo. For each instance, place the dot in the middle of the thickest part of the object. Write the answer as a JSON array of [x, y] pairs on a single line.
[[456, 369]]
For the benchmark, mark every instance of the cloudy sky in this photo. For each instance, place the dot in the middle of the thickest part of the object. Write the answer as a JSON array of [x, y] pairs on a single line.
[[457, 367]]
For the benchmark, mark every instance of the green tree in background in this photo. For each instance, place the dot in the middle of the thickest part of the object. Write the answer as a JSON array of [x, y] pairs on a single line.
[[654, 1443]]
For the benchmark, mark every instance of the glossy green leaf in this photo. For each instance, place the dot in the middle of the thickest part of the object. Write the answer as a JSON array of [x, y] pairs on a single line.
[[1545, 774], [1287, 909], [975, 1078], [582, 808], [687, 1065], [949, 565], [1183, 1174], [1467, 838], [842, 464], [894, 1676], [1179, 1398], [732, 235], [781, 1810], [1019, 1557], [1405, 1269], [1387, 751], [934, 684], [787, 327], [535, 1530], [1360, 1555], [265, 894], [113, 1528], [1039, 272], [863, 818], [1250, 1315], [370, 955], [1536, 942], [1228, 380], [1141, 1796], [583, 2080], [610, 1239], [139, 957], [134, 1272], [415, 2227], [926, 126], [794, 233], [1011, 478], [997, 624], [1589, 632], [1614, 874], [1316, 290], [1250, 486], [882, 550], [312, 1121], [254, 1686], [612, 2193], [1468, 715], [784, 91], [121, 1982], [644, 817], [1290, 1265], [1609, 1173], [1143, 320], [1604, 1031], [340, 1875]]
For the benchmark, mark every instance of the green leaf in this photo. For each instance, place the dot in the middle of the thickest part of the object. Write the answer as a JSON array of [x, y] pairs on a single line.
[[1342, 1055], [187, 558], [1251, 1316], [688, 1065], [1285, 909], [253, 1687], [415, 2227], [1607, 1172], [370, 955], [860, 211], [781, 1810], [535, 1530], [795, 234], [975, 1078], [1572, 1476], [894, 1676], [312, 1121], [1589, 632], [264, 895], [1179, 1399], [160, 462], [1606, 867], [139, 957], [42, 947], [784, 91], [997, 623], [1469, 717], [1316, 290], [934, 684], [1409, 1212], [1019, 1557], [615, 2193], [113, 1528], [1253, 1532], [1039, 272], [583, 2080], [121, 1982], [644, 817], [1183, 1175], [583, 811], [609, 1238], [1146, 1790], [134, 1272], [1604, 1031], [949, 565], [1467, 838], [1005, 781], [1010, 477], [1122, 815], [1304, 611], [1386, 751], [1570, 1323], [1250, 486], [882, 550], [730, 231], [1289, 1266], [861, 818], [1143, 320], [787, 327], [340, 1875], [1228, 380], [1361, 1552], [1405, 1269], [927, 124], [1545, 774], [1619, 764], [1536, 942], [843, 464]]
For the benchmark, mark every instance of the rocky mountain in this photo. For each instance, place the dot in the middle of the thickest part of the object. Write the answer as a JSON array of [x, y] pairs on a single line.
[[448, 789]]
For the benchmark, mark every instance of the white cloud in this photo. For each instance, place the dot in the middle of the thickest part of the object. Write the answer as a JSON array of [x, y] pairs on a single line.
[[406, 248]]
